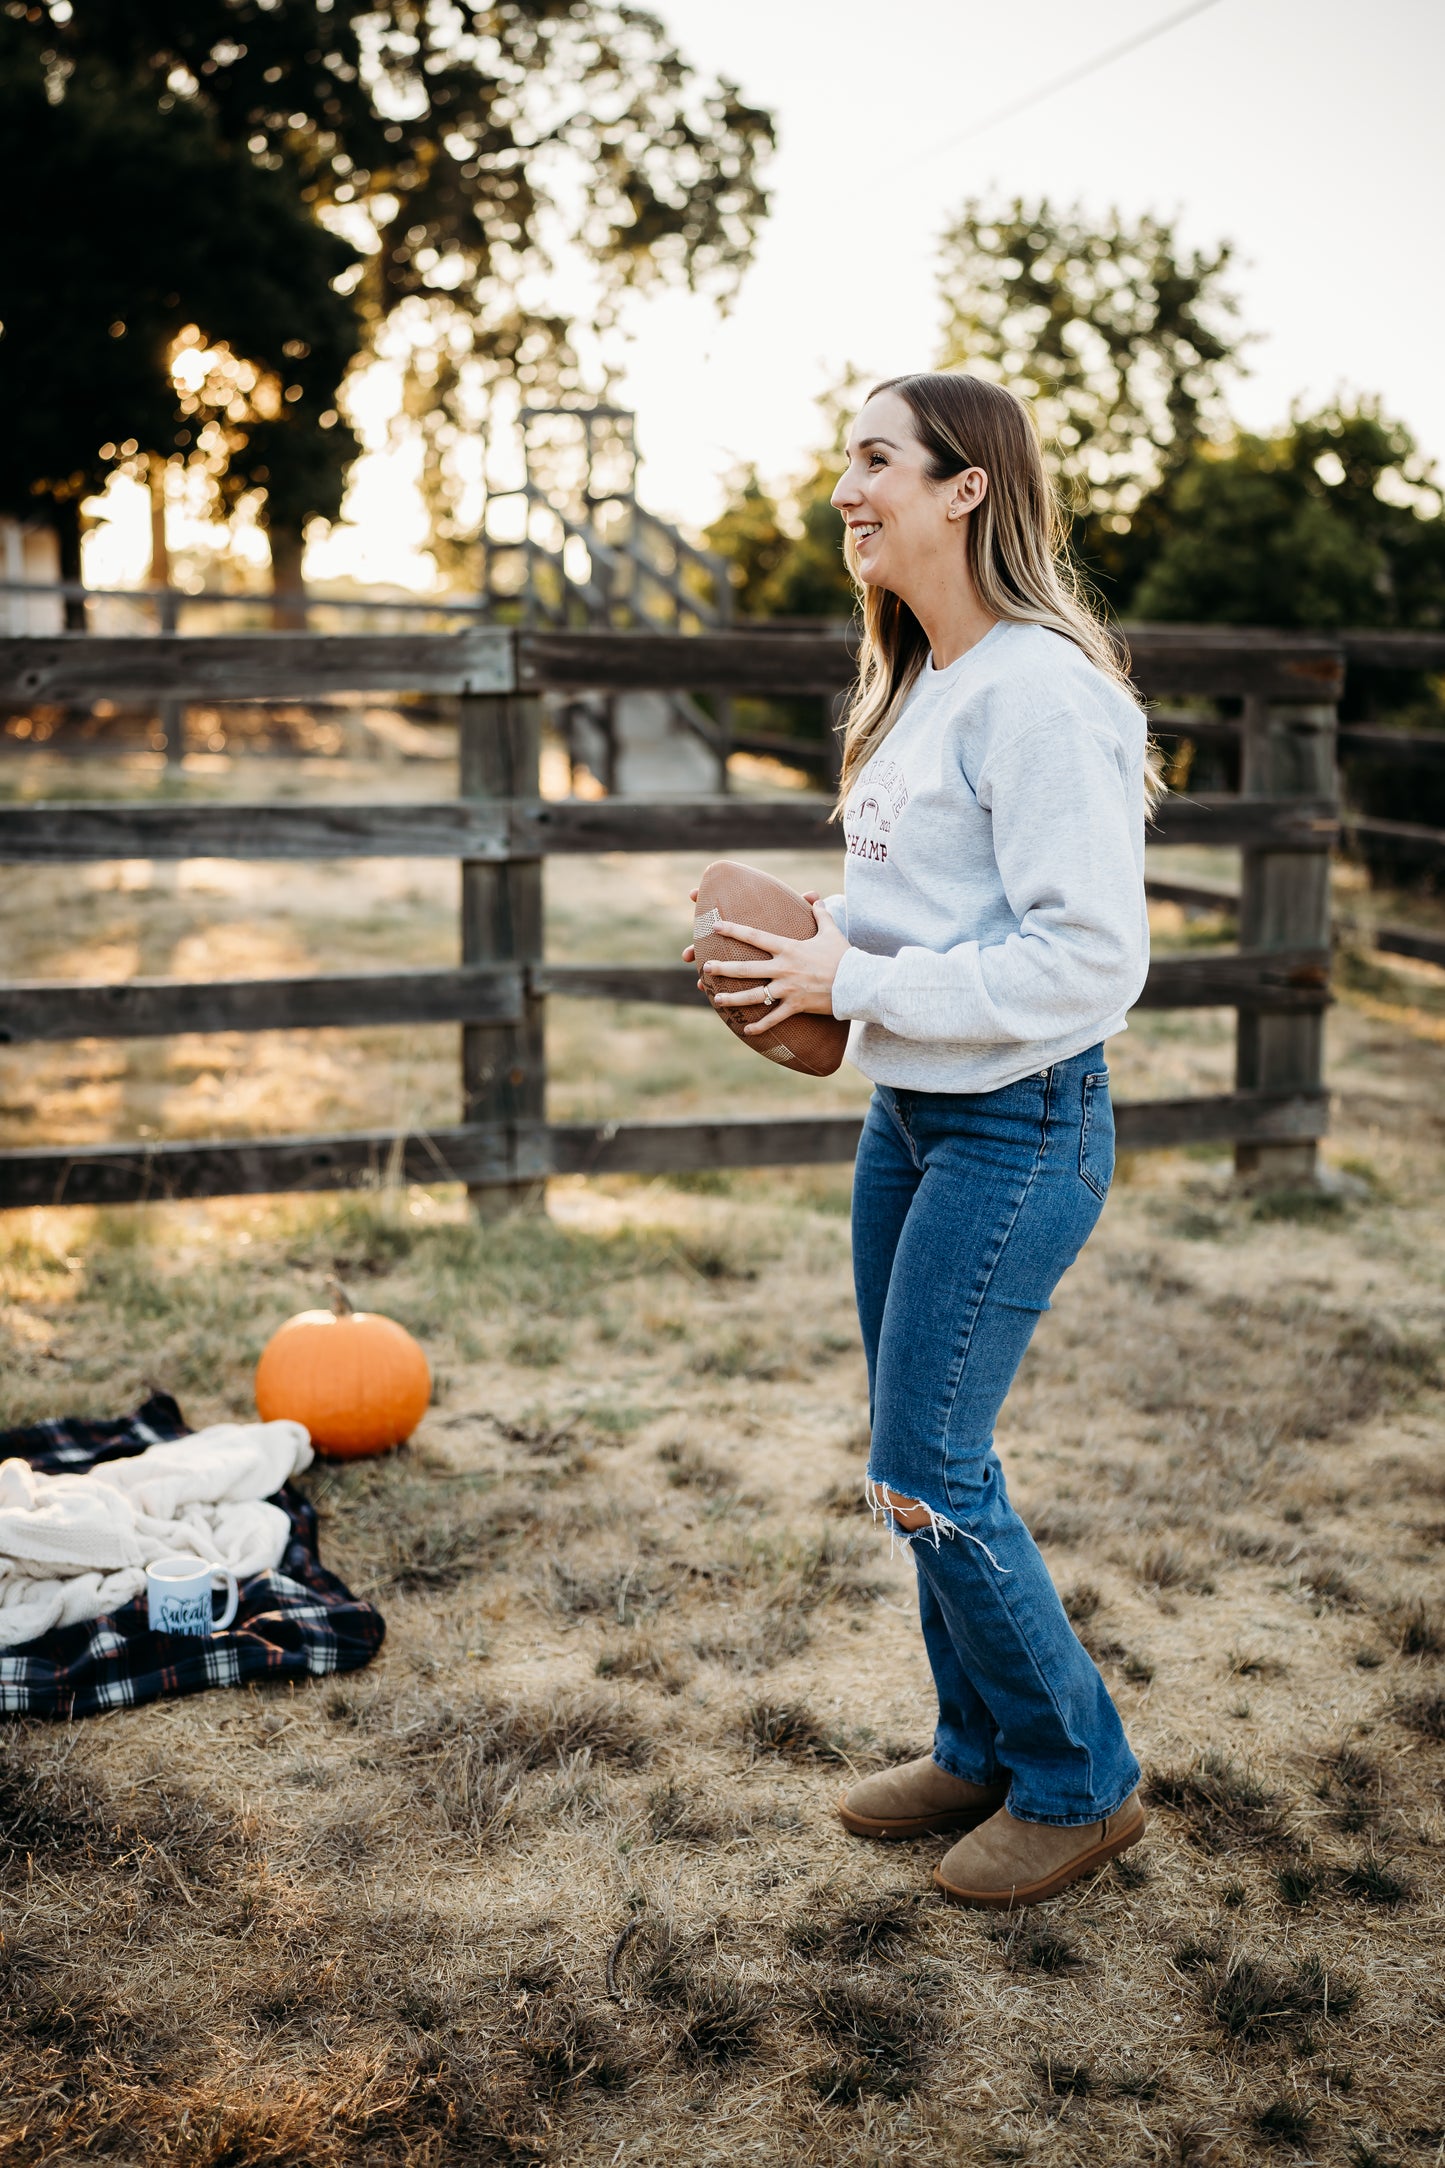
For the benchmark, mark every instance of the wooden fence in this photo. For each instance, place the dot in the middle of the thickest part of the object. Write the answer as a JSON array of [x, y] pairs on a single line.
[[1284, 819]]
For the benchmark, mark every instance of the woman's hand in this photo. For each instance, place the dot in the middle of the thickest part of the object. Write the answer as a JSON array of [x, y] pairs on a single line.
[[798, 974]]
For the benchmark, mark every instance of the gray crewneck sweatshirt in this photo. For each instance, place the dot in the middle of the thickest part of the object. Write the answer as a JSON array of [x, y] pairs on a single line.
[[994, 886]]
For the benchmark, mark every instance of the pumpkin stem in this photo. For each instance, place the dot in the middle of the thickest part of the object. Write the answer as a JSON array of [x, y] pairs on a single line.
[[341, 1303]]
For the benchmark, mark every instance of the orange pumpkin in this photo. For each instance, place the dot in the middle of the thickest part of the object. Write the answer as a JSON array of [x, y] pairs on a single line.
[[357, 1381]]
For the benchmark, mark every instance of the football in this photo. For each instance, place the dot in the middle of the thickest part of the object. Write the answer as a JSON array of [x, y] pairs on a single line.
[[813, 1045]]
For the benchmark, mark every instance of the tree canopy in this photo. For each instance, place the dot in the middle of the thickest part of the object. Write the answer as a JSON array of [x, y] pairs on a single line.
[[1123, 344], [786, 550], [436, 157], [785, 564], [1334, 520], [457, 132], [139, 228], [1119, 340]]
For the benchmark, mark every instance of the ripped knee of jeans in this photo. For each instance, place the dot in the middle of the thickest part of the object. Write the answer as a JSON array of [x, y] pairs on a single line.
[[911, 1517], [907, 1512]]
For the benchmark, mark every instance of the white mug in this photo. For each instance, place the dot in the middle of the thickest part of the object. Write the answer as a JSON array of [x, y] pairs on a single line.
[[178, 1596]]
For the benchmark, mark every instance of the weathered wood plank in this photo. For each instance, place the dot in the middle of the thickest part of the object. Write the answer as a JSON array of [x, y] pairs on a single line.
[[1284, 905], [705, 826], [1145, 1125], [1360, 741], [1369, 742], [504, 1066], [1176, 662], [1277, 824], [483, 1155], [672, 985], [749, 659], [264, 1166], [762, 1141], [673, 1147], [58, 834], [801, 752], [255, 665], [711, 825], [72, 834], [1283, 980], [1359, 824], [1200, 729], [151, 1008], [493, 995], [1167, 660], [1406, 941], [1195, 895], [1395, 650]]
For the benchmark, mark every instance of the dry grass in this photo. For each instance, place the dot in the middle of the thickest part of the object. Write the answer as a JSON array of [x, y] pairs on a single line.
[[559, 1878]]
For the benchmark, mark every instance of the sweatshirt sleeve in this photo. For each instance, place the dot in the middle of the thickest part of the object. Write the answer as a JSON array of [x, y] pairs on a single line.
[[1063, 838]]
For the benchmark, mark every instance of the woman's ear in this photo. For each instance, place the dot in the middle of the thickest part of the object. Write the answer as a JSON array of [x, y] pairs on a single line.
[[969, 492]]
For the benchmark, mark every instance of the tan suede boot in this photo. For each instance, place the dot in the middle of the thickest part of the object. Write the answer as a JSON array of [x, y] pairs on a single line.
[[1005, 1862], [915, 1798]]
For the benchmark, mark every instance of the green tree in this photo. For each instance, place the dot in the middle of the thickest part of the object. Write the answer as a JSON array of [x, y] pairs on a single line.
[[787, 551], [1121, 340], [749, 532], [813, 580], [1336, 520], [458, 146], [138, 223], [787, 561]]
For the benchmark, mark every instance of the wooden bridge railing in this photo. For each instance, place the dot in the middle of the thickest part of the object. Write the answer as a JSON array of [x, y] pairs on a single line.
[[1284, 821]]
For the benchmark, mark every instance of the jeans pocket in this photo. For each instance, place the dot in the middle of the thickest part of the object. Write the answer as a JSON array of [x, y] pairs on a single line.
[[1096, 1135]]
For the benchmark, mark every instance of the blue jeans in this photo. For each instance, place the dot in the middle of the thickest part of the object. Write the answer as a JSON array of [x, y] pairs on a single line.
[[968, 1208]]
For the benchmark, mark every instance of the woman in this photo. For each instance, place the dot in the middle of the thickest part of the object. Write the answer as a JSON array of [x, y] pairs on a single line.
[[991, 935]]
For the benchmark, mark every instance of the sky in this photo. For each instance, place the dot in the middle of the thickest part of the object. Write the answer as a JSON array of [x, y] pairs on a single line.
[[1307, 132]]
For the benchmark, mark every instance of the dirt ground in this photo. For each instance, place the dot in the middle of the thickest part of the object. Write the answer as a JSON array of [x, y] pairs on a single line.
[[558, 1878]]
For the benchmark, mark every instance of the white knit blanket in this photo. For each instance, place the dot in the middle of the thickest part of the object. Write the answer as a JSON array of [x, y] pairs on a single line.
[[76, 1546]]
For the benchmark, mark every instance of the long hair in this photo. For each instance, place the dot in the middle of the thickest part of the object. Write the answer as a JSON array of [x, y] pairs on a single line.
[[1017, 554]]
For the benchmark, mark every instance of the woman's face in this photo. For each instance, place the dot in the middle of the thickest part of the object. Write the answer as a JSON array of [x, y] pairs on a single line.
[[902, 523]]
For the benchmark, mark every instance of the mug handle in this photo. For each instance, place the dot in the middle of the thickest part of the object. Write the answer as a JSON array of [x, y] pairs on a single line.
[[233, 1597]]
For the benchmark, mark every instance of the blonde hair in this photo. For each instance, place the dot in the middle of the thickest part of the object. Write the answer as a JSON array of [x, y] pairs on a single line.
[[1017, 553]]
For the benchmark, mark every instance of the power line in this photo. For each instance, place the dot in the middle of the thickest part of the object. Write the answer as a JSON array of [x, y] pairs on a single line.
[[1063, 82]]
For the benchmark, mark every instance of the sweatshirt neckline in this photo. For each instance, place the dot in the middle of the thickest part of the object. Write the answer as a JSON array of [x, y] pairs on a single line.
[[934, 676]]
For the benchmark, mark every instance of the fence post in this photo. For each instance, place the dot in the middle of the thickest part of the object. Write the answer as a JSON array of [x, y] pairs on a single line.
[[1287, 750], [170, 712], [504, 1066]]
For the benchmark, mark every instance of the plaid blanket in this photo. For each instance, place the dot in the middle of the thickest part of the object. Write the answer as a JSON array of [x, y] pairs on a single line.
[[292, 1623]]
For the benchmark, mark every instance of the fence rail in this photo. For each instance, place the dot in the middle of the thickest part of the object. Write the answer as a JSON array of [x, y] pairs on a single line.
[[510, 1155], [1219, 898], [1284, 820], [505, 829], [1167, 663], [1381, 649], [55, 1009]]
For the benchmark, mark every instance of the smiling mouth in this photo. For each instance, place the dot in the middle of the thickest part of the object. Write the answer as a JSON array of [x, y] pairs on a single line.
[[864, 530]]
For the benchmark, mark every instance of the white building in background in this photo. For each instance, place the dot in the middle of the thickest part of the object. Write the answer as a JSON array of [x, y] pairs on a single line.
[[29, 551]]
